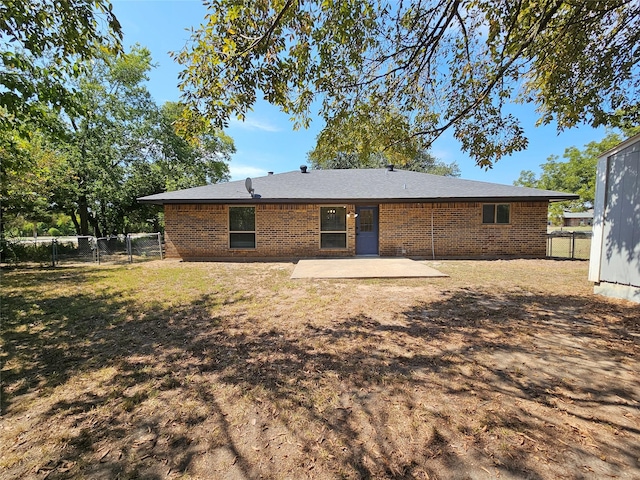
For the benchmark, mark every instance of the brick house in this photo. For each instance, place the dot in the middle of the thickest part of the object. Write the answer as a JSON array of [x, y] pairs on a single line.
[[344, 213], [577, 219]]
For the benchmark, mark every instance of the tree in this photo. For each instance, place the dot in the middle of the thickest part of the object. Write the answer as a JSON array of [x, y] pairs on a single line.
[[176, 163], [364, 139], [124, 147], [26, 174], [117, 147], [422, 162], [185, 163], [576, 174], [366, 136], [42, 45], [427, 163], [109, 133], [440, 64]]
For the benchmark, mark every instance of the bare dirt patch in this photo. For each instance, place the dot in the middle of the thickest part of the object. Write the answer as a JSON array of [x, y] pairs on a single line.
[[507, 369]]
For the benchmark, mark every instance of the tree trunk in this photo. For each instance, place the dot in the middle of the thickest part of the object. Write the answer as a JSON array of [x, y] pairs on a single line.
[[83, 211], [96, 227], [2, 244], [103, 223], [76, 225], [1, 222]]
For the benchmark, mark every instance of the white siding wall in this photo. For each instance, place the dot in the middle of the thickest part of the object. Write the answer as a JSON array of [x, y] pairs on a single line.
[[615, 255]]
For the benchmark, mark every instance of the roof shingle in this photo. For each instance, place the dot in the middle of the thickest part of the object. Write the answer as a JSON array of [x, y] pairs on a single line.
[[355, 186]]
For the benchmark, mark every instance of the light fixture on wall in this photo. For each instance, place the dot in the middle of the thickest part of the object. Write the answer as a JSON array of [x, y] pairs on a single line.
[[352, 214]]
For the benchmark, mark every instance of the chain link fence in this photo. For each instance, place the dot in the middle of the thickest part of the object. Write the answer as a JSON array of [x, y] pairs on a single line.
[[112, 249], [574, 245], [145, 245], [74, 250], [82, 249], [17, 250], [136, 247]]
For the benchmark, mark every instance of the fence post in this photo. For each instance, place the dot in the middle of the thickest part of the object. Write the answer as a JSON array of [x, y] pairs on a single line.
[[53, 252], [160, 244], [129, 249], [573, 245]]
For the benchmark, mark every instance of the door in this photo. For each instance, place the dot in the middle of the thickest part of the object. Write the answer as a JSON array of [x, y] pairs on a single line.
[[367, 231]]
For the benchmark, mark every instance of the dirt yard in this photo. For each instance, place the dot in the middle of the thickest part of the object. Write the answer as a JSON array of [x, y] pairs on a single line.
[[506, 369]]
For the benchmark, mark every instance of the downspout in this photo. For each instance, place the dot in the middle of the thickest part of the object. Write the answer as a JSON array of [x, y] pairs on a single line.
[[433, 249]]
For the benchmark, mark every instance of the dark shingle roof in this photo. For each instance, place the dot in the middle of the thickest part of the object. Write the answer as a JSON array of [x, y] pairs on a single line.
[[355, 185]]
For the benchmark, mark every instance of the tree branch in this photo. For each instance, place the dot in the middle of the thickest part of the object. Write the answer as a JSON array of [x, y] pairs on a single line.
[[487, 90], [267, 35]]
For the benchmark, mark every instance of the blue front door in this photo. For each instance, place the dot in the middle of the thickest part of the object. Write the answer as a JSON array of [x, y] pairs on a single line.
[[367, 231]]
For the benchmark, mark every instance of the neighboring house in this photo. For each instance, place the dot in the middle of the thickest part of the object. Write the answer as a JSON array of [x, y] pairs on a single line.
[[615, 248], [577, 219], [344, 213]]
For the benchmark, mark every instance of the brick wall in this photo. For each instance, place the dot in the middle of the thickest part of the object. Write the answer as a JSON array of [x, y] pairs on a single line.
[[293, 231], [282, 231], [458, 230]]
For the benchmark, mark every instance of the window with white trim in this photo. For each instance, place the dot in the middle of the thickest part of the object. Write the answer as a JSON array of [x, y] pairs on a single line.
[[242, 227], [496, 213], [333, 227]]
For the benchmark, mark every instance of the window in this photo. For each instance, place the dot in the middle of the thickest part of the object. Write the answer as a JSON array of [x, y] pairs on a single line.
[[366, 220], [333, 227], [242, 227], [496, 213]]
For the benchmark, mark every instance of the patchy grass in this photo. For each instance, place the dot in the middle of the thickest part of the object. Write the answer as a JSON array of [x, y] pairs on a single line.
[[562, 247], [509, 369]]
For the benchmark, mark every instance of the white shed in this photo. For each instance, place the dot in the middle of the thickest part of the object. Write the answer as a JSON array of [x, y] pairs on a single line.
[[615, 248]]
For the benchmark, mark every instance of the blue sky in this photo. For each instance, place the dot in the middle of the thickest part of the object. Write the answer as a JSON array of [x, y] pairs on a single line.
[[266, 141]]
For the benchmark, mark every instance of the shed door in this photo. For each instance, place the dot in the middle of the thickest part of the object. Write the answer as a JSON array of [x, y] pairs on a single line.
[[367, 231], [620, 260]]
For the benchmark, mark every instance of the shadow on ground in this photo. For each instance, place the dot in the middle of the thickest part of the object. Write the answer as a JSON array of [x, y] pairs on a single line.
[[472, 384]]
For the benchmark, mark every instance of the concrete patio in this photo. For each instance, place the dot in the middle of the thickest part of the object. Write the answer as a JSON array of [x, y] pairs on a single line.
[[369, 267]]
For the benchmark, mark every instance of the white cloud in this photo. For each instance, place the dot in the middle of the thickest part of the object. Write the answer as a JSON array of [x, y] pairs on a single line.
[[254, 124], [441, 154], [239, 172]]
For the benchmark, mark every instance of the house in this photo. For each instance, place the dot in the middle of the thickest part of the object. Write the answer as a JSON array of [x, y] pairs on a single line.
[[615, 249], [344, 213], [577, 219]]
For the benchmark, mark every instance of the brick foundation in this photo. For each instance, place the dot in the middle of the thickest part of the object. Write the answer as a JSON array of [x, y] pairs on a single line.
[[200, 231]]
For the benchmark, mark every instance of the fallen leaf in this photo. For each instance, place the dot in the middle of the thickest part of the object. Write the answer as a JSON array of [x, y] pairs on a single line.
[[104, 454]]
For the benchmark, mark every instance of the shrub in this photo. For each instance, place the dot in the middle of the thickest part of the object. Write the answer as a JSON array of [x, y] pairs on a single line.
[[16, 252]]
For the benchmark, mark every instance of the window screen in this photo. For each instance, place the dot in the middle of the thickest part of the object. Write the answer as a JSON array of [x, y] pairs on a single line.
[[242, 227], [496, 213]]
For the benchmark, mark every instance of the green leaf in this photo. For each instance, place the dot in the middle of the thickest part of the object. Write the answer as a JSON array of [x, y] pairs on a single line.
[[443, 65]]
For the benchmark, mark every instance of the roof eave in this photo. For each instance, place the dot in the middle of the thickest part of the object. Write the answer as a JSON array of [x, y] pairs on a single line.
[[621, 146], [255, 200]]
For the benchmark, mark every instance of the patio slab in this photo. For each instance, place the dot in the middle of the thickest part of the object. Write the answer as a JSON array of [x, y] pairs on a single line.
[[364, 268]]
